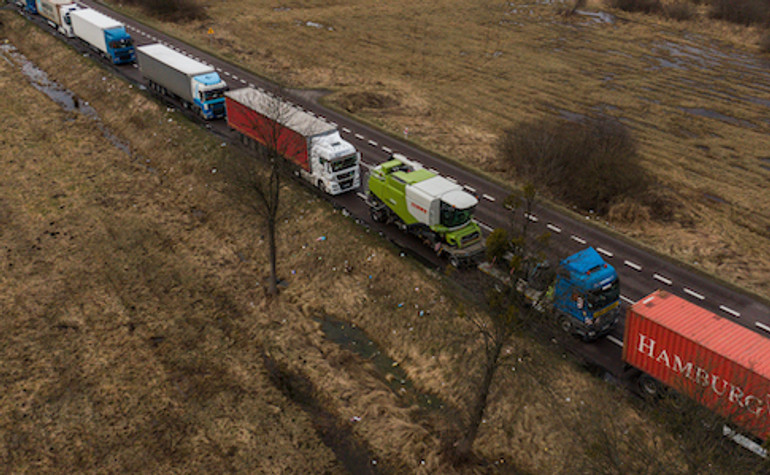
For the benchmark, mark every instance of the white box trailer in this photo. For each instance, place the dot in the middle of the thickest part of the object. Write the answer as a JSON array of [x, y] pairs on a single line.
[[173, 74], [57, 12], [105, 34]]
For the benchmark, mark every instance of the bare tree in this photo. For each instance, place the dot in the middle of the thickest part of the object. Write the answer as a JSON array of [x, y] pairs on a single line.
[[509, 311], [258, 175]]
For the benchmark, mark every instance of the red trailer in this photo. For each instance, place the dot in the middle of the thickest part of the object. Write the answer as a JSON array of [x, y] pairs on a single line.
[[313, 144], [718, 363]]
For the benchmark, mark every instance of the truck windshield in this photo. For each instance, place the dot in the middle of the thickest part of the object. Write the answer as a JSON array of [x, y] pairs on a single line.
[[121, 43], [452, 217], [600, 298], [214, 94], [343, 163]]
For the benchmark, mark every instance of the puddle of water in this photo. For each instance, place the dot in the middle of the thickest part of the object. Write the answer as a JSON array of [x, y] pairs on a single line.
[[65, 98], [354, 339], [711, 114]]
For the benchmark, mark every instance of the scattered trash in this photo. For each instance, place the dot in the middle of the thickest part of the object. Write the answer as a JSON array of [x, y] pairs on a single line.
[[568, 399], [223, 144], [321, 238], [213, 170], [401, 305], [422, 312], [355, 419], [293, 272]]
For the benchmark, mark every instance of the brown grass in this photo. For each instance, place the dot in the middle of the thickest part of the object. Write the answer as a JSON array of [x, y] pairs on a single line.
[[457, 74], [134, 325]]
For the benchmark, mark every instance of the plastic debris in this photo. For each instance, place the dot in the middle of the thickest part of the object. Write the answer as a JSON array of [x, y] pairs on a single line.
[[401, 305], [213, 170], [321, 238], [355, 419], [293, 272]]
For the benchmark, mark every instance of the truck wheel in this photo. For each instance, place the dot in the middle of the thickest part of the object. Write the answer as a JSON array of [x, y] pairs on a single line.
[[565, 324], [454, 261], [649, 386], [378, 215]]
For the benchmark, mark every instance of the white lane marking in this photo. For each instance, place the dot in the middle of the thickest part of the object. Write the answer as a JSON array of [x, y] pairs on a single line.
[[235, 77], [730, 311], [219, 69], [633, 265], [153, 38], [485, 226], [361, 195], [553, 228], [368, 167], [470, 188], [373, 143], [662, 279], [251, 84], [359, 136], [578, 239], [386, 149], [490, 198], [627, 300], [242, 81], [346, 130], [433, 170], [604, 251], [451, 179], [762, 326], [333, 123], [694, 293], [531, 217], [615, 340], [135, 65]]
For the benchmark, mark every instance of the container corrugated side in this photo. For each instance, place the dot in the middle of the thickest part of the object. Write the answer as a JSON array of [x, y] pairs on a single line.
[[292, 145], [717, 362]]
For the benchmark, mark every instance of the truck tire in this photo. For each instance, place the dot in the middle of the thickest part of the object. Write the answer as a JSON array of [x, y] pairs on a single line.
[[649, 386], [378, 215], [565, 324], [454, 261]]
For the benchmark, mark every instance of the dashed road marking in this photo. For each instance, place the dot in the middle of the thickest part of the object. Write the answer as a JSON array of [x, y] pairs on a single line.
[[373, 143], [333, 123], [361, 195], [346, 130], [234, 76], [627, 300], [451, 179], [227, 73], [762, 326], [531, 217], [578, 239], [553, 228], [485, 226], [243, 81], [490, 198], [662, 279], [694, 293], [359, 136], [470, 188], [135, 65], [219, 69], [387, 149], [615, 340], [433, 170], [604, 251], [251, 84], [730, 311], [633, 265]]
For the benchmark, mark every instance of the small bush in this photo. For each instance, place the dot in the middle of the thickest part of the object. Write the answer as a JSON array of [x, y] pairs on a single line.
[[680, 11], [589, 164], [743, 12], [172, 10], [644, 6]]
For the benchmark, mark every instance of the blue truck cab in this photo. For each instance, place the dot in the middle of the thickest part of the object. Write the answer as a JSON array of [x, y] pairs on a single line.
[[120, 45], [209, 95], [31, 7], [586, 295]]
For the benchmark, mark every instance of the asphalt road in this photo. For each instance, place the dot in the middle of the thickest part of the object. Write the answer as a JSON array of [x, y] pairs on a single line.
[[641, 271]]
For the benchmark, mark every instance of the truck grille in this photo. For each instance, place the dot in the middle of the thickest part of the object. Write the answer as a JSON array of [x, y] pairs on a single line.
[[346, 175], [469, 238], [347, 184], [218, 109]]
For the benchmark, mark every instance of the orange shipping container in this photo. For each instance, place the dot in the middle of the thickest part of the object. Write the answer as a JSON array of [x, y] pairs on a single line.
[[715, 361]]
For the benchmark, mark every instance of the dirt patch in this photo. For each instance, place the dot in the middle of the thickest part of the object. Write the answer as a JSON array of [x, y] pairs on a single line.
[[357, 101]]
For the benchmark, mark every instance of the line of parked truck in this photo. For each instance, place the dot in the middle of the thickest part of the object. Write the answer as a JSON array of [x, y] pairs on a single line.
[[669, 342]]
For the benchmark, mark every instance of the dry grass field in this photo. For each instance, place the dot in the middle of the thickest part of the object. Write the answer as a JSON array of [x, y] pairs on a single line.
[[135, 330], [457, 73]]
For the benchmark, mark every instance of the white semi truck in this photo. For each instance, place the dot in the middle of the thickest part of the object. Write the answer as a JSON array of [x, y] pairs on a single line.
[[57, 13], [106, 35], [196, 85], [310, 143]]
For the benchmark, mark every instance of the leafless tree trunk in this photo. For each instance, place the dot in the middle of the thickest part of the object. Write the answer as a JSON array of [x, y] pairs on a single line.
[[259, 176]]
